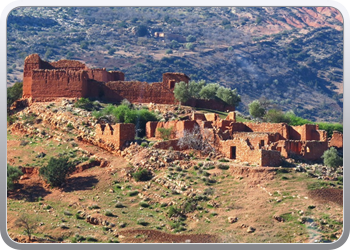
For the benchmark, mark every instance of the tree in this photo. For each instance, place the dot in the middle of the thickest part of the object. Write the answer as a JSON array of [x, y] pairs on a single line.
[[14, 93], [141, 30], [191, 38], [276, 116], [209, 91], [56, 171], [256, 110], [181, 92], [190, 46], [13, 174], [195, 87], [331, 158], [229, 96], [27, 223]]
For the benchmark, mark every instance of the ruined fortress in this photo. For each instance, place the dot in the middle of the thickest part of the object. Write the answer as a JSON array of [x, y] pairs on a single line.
[[67, 78], [261, 144]]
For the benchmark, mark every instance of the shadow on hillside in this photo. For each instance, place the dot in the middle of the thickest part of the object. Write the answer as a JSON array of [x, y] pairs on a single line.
[[80, 183], [28, 193]]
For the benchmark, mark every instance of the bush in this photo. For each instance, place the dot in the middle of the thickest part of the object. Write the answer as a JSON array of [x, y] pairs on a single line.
[[223, 167], [165, 133], [173, 211], [331, 158], [142, 175], [56, 171], [13, 174], [223, 160], [124, 114], [133, 193], [85, 103]]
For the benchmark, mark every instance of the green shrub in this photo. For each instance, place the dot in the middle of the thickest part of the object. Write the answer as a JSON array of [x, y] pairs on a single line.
[[223, 160], [14, 93], [144, 144], [165, 133], [173, 211], [126, 114], [142, 175], [13, 175], [85, 103], [56, 171], [142, 222], [331, 158], [133, 193], [223, 167], [144, 204]]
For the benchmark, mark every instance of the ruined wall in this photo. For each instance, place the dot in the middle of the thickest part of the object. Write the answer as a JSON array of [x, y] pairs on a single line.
[[170, 144], [115, 135], [309, 150], [102, 75], [243, 152], [178, 127], [141, 92], [231, 116], [336, 140], [58, 83], [270, 158], [256, 140], [151, 129], [169, 79], [307, 132], [198, 116], [280, 128]]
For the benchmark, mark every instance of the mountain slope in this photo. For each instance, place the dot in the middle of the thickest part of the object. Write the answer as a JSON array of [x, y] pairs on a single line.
[[292, 56]]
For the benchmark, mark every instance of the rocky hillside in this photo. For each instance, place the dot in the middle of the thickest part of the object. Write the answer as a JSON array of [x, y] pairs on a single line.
[[292, 56]]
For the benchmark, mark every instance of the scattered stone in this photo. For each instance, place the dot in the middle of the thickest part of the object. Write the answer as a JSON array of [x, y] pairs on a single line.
[[232, 219], [278, 218], [251, 230]]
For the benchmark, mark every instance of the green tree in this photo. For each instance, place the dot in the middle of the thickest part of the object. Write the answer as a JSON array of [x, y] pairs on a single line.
[[181, 92], [141, 30], [256, 110], [190, 46], [14, 93], [13, 174], [191, 38], [209, 91], [195, 87], [56, 171], [229, 96], [331, 158], [276, 116]]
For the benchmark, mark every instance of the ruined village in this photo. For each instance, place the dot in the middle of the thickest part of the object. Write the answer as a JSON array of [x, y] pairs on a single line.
[[236, 181]]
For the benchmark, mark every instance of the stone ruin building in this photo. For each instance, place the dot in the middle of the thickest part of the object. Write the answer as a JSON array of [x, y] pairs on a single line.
[[262, 144], [44, 81]]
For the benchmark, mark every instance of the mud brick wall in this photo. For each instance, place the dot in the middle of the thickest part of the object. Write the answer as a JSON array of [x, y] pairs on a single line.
[[270, 158], [257, 140], [68, 65], [58, 83], [124, 132], [240, 127], [166, 125], [168, 144], [280, 128], [178, 128], [102, 75], [169, 79], [141, 92], [231, 116], [336, 140], [313, 150], [211, 117], [198, 116], [307, 132], [243, 152], [151, 129], [224, 124], [116, 135]]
